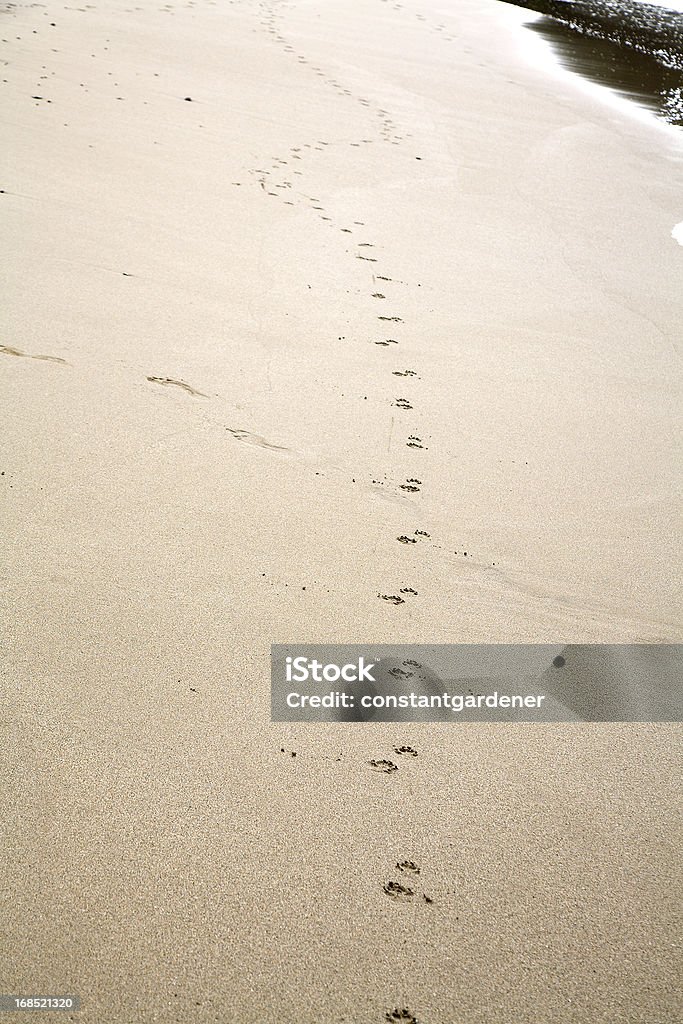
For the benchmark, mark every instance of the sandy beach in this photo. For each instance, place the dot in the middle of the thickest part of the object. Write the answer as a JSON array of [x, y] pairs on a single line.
[[330, 323]]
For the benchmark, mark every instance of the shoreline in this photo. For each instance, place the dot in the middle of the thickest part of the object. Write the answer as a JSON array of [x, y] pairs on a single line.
[[636, 53]]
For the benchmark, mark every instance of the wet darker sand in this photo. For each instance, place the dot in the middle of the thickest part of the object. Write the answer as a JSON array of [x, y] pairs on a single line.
[[633, 48]]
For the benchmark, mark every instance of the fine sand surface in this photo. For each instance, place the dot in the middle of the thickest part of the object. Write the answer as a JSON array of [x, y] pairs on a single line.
[[210, 444]]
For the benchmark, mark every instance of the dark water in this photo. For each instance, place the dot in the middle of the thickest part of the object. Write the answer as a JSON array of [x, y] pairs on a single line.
[[635, 49]]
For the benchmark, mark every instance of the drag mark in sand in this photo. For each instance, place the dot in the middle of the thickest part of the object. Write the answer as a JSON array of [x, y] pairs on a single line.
[[256, 440], [166, 381], [9, 351]]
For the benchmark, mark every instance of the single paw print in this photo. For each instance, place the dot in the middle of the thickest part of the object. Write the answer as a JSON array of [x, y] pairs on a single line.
[[408, 866], [397, 891], [383, 766], [403, 1016], [400, 673]]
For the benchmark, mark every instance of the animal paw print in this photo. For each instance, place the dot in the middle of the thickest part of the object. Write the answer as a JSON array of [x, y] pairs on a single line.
[[402, 1016], [388, 767], [409, 867], [400, 673], [406, 751], [397, 891]]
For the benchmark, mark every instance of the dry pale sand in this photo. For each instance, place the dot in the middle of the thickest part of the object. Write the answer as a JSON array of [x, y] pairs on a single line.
[[206, 439]]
